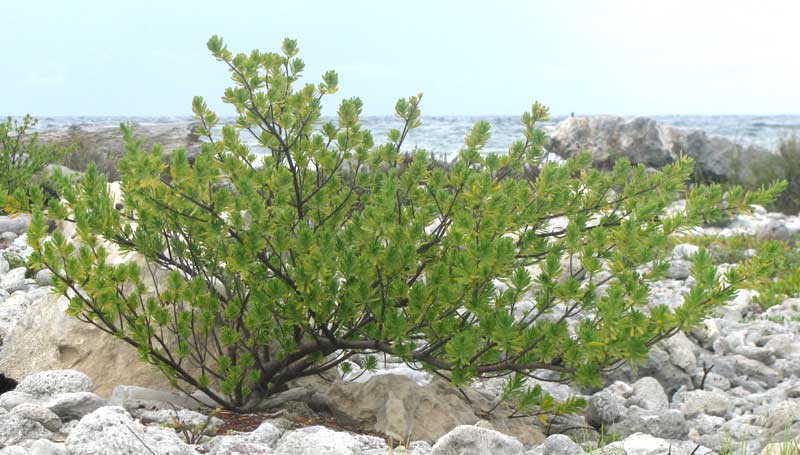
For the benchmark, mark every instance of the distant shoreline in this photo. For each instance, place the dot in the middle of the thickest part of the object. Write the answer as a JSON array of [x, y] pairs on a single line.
[[444, 134]]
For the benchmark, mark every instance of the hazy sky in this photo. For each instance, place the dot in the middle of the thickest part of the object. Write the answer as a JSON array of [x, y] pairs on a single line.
[[108, 57]]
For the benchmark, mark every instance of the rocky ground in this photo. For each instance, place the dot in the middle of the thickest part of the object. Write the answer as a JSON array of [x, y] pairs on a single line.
[[730, 386]]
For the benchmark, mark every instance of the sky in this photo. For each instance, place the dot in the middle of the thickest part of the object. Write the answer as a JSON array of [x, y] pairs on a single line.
[[148, 58]]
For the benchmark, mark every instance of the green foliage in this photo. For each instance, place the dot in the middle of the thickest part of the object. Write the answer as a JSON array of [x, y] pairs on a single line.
[[774, 268], [82, 155], [22, 160], [15, 261], [330, 245], [782, 164], [197, 432]]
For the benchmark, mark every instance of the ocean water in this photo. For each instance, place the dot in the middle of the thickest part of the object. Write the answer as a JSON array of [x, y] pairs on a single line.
[[444, 135]]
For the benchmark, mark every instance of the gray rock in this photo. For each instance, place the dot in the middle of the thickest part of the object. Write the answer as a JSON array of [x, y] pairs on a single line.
[[669, 424], [319, 440], [643, 444], [643, 140], [16, 428], [781, 422], [603, 408], [620, 389], [684, 250], [53, 382], [399, 407], [112, 431], [707, 333], [679, 269], [756, 370], [14, 450], [69, 406], [774, 230], [4, 267], [261, 440], [712, 381], [14, 280], [659, 367], [12, 399], [648, 394], [11, 310], [559, 444], [181, 417], [761, 354], [44, 277], [17, 224], [38, 413], [45, 447], [8, 237], [711, 402], [46, 338], [107, 141], [66, 406], [471, 440], [788, 366], [783, 345], [135, 398], [706, 424], [681, 352]]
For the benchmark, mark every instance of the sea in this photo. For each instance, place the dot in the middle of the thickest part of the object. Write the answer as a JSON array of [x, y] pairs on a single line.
[[443, 135]]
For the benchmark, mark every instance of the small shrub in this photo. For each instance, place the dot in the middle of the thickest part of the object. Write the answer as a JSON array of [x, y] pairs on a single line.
[[22, 161], [16, 261], [195, 433], [783, 164], [82, 155], [774, 270], [287, 265]]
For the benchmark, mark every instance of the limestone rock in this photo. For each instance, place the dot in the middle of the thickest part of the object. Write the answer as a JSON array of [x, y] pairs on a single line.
[[643, 444], [17, 224], [774, 230], [44, 277], [319, 440], [685, 250], [11, 310], [52, 382], [679, 269], [603, 408], [711, 402], [107, 141], [399, 407], [38, 413], [559, 444], [170, 418], [649, 394], [45, 447], [45, 338], [260, 440], [681, 352], [669, 424], [75, 405], [14, 450], [15, 428], [112, 431], [471, 440], [643, 140], [14, 280]]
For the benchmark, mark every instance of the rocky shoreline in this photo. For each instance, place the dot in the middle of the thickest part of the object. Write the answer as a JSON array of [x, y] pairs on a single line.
[[640, 139], [730, 386]]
